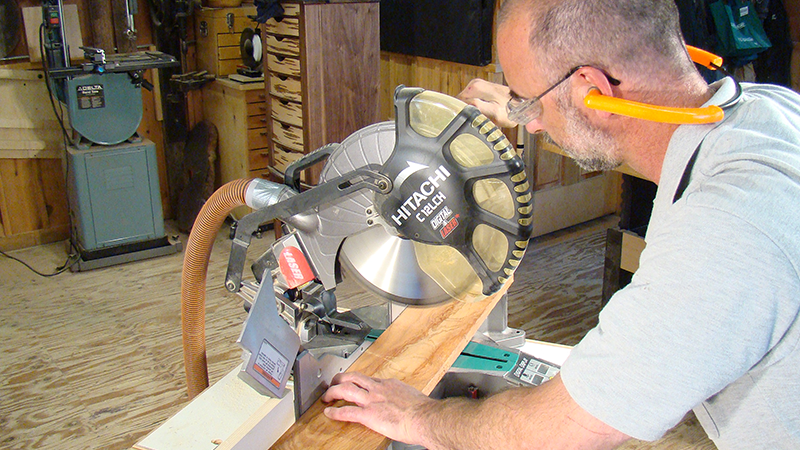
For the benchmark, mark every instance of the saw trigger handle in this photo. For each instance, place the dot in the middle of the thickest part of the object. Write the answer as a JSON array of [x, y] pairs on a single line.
[[292, 176]]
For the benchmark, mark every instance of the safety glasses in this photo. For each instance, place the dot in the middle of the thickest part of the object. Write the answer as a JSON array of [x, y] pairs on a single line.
[[524, 110]]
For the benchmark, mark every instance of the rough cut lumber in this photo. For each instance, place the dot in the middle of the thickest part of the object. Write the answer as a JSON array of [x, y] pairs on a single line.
[[418, 348]]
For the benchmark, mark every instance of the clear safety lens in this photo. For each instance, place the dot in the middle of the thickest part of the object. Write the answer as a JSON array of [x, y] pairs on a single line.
[[522, 111]]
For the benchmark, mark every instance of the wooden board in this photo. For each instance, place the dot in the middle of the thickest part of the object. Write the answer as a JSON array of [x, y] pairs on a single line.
[[418, 348], [632, 247], [341, 83], [28, 125], [441, 76]]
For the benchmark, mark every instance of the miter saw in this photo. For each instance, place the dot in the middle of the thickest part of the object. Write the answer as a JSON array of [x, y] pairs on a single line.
[[431, 207]]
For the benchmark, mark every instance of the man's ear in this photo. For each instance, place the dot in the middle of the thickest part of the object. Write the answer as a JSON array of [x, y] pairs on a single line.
[[589, 78]]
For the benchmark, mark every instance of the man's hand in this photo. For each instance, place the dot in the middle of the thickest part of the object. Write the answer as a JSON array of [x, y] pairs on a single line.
[[509, 419], [388, 407], [490, 99]]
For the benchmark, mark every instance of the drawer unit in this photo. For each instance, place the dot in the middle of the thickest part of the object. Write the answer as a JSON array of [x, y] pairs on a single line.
[[321, 78], [287, 112], [284, 65], [285, 87], [288, 136], [258, 138], [283, 157], [282, 45], [218, 32], [288, 25], [259, 159], [239, 111]]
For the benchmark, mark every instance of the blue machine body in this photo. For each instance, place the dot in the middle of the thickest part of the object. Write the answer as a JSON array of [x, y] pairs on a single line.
[[114, 194]]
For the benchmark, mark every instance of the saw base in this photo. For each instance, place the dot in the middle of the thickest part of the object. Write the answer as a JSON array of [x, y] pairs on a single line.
[[233, 413]]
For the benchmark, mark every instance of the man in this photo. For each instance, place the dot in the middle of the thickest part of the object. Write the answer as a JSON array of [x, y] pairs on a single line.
[[710, 320]]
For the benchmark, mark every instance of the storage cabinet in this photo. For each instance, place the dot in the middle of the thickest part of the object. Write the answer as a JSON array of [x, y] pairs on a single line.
[[218, 31], [239, 111], [322, 74]]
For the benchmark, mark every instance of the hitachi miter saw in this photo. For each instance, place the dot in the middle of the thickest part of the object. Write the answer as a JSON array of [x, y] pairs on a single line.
[[433, 206]]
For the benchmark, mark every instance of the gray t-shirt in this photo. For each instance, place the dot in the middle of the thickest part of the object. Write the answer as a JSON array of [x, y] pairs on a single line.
[[710, 319]]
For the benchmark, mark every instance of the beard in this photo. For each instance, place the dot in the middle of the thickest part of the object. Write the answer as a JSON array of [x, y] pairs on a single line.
[[593, 149]]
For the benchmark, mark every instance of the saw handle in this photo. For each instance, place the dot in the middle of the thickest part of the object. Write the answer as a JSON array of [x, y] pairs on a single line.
[[291, 177]]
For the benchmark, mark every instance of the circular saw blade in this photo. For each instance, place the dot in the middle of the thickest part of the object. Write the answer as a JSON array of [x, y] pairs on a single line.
[[379, 261]]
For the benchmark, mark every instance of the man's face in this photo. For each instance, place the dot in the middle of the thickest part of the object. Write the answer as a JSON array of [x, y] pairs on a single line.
[[591, 147]]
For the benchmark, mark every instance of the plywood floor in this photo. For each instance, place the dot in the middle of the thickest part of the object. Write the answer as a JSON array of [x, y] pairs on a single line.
[[93, 360]]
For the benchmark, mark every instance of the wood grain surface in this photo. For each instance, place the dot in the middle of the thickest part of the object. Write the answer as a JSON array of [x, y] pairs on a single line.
[[418, 349]]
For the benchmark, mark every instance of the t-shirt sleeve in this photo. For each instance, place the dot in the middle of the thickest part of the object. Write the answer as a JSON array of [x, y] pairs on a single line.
[[709, 300]]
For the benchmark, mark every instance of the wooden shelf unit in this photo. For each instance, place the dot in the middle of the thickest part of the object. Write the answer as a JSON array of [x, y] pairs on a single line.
[[321, 76]]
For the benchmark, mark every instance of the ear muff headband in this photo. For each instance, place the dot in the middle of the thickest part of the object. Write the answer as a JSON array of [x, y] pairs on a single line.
[[709, 114], [664, 114]]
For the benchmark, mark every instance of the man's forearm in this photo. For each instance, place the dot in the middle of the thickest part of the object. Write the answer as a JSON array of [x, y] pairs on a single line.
[[544, 417]]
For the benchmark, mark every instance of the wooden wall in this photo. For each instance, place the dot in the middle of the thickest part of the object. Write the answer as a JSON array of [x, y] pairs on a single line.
[[33, 204]]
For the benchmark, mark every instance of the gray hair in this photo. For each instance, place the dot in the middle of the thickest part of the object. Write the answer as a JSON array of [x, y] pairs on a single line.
[[639, 38]]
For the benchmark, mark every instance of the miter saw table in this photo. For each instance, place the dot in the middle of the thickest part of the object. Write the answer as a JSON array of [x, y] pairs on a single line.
[[432, 210], [230, 415]]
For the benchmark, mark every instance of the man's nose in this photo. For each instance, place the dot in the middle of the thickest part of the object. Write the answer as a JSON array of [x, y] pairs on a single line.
[[534, 126]]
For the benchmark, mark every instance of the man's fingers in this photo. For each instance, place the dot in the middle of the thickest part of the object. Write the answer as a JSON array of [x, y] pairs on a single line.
[[349, 392], [353, 377], [344, 413]]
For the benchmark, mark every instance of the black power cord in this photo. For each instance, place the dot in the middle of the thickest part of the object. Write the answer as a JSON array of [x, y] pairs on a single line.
[[72, 259], [73, 256]]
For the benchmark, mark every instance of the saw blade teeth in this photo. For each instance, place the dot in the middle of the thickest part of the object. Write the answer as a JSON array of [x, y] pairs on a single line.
[[487, 128], [521, 244], [513, 262], [525, 198], [518, 253], [502, 280], [508, 271], [525, 221], [525, 210]]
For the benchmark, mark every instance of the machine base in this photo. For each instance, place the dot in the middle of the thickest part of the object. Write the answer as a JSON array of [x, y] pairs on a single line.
[[112, 256]]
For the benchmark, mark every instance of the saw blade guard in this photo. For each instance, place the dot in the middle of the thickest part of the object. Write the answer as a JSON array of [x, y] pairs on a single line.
[[460, 194]]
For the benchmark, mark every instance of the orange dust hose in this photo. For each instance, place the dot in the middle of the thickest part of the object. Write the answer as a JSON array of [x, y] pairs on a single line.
[[193, 280]]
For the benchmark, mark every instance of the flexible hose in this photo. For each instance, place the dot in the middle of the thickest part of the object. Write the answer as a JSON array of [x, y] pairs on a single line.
[[193, 280]]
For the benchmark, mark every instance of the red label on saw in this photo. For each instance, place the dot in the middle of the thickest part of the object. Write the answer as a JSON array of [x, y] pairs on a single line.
[[294, 267], [447, 229]]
